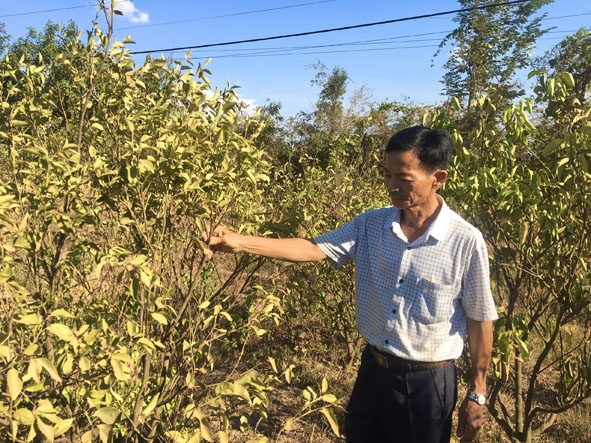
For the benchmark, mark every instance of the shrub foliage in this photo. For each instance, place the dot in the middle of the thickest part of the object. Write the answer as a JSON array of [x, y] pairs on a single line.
[[116, 326]]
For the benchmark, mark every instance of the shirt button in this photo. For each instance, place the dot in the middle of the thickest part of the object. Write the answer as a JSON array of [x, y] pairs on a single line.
[[394, 311], [409, 248], [387, 342], [401, 281]]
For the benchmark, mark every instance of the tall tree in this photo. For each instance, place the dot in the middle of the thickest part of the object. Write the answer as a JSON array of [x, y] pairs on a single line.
[[573, 54], [329, 107], [43, 46], [4, 39], [42, 50], [315, 133], [490, 44]]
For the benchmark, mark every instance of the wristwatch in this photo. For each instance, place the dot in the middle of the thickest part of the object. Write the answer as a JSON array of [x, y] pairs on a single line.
[[478, 398]]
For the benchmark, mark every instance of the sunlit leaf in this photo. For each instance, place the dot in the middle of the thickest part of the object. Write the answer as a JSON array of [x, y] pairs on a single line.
[[331, 420], [46, 429], [29, 319], [152, 405], [62, 313], [206, 430], [329, 398], [50, 368], [62, 426], [84, 364], [273, 364], [105, 432], [324, 386], [62, 331], [159, 318], [119, 370], [107, 415], [14, 382], [6, 353], [24, 417]]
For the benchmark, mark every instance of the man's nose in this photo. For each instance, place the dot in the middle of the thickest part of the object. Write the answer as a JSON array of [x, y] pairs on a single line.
[[393, 185]]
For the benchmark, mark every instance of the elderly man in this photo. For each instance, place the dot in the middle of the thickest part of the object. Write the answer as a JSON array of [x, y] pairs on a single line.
[[423, 289]]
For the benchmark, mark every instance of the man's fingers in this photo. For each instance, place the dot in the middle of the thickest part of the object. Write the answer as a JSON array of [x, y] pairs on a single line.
[[215, 236], [215, 242], [468, 437], [206, 236], [469, 422], [461, 421]]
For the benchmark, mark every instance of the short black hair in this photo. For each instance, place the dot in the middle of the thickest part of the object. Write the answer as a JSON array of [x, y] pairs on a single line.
[[434, 147]]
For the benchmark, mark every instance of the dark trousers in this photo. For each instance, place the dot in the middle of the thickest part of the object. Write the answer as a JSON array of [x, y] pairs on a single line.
[[401, 407]]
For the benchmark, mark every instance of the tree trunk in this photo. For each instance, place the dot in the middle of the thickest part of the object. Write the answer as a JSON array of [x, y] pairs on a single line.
[[519, 415]]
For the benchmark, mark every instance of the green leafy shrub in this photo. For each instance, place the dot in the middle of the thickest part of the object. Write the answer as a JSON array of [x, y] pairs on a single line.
[[114, 325], [525, 185]]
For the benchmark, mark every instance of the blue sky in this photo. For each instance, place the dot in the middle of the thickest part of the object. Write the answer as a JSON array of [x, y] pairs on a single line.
[[393, 61]]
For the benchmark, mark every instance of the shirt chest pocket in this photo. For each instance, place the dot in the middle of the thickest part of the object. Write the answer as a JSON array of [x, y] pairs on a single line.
[[434, 302]]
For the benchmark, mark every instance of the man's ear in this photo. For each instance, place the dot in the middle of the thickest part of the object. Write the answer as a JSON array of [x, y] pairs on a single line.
[[440, 177]]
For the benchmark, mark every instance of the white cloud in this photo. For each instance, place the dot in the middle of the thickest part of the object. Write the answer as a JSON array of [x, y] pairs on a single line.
[[130, 12], [251, 107]]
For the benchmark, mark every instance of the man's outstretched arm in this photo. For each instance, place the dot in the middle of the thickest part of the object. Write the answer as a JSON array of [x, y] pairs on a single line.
[[294, 250]]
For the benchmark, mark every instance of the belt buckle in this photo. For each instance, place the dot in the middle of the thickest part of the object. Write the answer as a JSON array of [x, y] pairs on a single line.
[[381, 359]]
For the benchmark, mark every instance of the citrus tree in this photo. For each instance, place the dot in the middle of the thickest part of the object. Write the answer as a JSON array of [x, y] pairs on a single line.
[[113, 323], [526, 187]]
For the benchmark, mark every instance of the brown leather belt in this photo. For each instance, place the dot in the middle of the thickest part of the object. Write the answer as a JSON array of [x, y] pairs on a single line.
[[399, 364]]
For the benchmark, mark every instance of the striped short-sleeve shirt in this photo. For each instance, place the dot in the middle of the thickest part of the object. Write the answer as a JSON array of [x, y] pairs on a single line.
[[413, 299]]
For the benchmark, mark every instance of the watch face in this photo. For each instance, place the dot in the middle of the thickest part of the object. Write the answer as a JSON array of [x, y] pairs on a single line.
[[478, 398]]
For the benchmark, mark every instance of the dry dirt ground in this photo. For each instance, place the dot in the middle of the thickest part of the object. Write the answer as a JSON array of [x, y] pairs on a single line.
[[314, 359]]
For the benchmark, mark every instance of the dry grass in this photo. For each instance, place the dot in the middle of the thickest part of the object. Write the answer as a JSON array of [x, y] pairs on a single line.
[[315, 356]]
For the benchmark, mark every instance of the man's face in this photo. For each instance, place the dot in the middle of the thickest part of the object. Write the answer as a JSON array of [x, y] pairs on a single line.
[[407, 183]]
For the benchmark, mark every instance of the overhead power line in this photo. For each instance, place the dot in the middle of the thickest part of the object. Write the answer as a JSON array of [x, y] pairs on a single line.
[[17, 14], [93, 5], [257, 11], [409, 41], [324, 31], [365, 45], [409, 38], [317, 52], [569, 16]]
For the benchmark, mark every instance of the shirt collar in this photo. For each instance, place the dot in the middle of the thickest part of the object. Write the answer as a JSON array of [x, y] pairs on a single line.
[[439, 226], [437, 229]]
